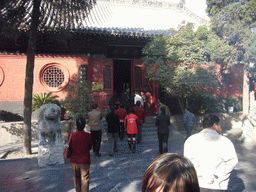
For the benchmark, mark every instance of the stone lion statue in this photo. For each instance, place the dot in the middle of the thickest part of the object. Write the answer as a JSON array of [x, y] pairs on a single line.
[[49, 126]]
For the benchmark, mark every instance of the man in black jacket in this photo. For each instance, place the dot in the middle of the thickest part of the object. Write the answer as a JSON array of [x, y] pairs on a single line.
[[113, 126], [163, 122]]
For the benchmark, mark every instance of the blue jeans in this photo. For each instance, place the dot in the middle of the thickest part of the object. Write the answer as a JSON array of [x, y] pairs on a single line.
[[189, 130]]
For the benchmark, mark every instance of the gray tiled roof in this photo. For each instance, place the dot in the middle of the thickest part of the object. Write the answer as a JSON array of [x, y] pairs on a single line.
[[136, 17], [141, 18]]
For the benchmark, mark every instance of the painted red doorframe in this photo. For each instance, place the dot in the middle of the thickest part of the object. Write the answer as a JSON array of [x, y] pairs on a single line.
[[96, 74]]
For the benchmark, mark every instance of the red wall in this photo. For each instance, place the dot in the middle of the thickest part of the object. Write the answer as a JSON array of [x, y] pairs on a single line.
[[234, 87], [13, 73], [13, 66]]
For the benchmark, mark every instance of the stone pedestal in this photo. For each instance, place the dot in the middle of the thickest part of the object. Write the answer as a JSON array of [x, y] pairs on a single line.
[[50, 155]]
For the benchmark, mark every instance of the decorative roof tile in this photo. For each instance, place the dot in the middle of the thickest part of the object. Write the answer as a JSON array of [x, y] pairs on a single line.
[[143, 18], [140, 18]]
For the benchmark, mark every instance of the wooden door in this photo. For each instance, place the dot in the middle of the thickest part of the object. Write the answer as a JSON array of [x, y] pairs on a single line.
[[140, 84], [137, 76]]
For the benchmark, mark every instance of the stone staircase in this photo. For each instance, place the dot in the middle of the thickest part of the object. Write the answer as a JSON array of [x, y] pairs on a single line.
[[149, 130], [150, 137]]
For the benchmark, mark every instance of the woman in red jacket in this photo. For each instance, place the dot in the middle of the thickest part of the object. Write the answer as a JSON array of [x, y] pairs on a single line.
[[80, 144], [131, 122]]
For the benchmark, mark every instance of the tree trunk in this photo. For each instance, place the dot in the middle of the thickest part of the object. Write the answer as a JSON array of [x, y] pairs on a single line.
[[245, 93], [29, 77], [181, 104]]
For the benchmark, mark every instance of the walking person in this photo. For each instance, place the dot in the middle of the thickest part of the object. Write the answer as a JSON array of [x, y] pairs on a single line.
[[137, 97], [143, 96], [131, 122], [113, 126], [189, 121], [167, 110], [212, 154], [95, 124], [163, 123], [80, 144], [139, 111], [121, 112]]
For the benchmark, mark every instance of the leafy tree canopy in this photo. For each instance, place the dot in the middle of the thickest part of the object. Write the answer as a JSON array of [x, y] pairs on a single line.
[[234, 20], [174, 61]]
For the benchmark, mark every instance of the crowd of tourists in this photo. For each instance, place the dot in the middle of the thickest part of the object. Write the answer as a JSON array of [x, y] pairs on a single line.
[[206, 165]]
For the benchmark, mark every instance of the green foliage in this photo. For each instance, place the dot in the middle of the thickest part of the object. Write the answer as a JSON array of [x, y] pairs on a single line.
[[204, 101], [251, 48], [232, 21], [43, 98], [174, 61], [79, 98], [231, 101], [218, 50]]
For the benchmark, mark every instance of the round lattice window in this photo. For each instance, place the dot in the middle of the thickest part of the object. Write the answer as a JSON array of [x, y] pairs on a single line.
[[1, 76], [54, 77]]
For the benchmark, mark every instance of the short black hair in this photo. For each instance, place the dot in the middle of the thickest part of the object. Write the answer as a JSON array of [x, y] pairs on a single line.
[[162, 109], [209, 120], [112, 108], [80, 123], [188, 108], [94, 106], [138, 103], [131, 110]]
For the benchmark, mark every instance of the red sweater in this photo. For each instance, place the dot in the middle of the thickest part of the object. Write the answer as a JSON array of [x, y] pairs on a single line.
[[131, 124], [139, 111], [121, 112], [81, 144]]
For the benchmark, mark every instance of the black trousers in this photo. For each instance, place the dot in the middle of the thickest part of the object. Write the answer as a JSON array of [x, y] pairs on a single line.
[[96, 140], [139, 133], [163, 142], [121, 130]]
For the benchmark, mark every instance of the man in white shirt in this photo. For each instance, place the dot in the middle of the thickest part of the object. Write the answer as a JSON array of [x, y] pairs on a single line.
[[213, 155], [138, 98]]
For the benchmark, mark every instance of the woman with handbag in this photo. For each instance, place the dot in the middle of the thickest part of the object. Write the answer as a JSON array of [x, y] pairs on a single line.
[[80, 145]]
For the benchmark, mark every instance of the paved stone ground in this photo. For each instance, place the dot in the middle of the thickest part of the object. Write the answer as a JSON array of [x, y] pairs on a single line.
[[122, 172]]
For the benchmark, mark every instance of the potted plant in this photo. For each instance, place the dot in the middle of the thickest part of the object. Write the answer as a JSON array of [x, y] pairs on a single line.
[[230, 102]]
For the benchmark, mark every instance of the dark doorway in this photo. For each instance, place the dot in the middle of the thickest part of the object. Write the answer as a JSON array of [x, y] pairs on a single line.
[[122, 76]]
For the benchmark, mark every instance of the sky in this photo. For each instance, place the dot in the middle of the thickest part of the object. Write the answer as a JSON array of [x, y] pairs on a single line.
[[196, 6]]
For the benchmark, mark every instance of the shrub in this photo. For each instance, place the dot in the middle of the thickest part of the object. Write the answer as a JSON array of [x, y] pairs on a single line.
[[231, 101], [203, 101], [43, 98], [8, 116], [79, 98]]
